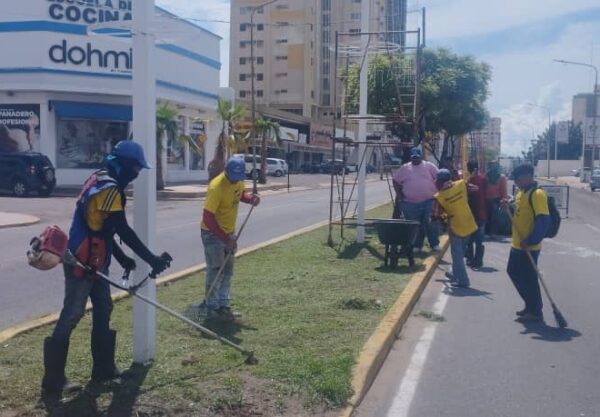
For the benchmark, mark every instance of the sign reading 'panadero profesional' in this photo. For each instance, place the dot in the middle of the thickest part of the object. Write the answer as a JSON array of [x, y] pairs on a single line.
[[90, 11]]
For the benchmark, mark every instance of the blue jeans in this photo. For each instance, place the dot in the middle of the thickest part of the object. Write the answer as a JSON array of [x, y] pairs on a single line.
[[459, 271], [215, 252], [525, 279], [77, 291], [421, 212]]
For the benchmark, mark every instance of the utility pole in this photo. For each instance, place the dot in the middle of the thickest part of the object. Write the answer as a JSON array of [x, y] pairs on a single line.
[[144, 206], [548, 136], [362, 122], [594, 115], [253, 98]]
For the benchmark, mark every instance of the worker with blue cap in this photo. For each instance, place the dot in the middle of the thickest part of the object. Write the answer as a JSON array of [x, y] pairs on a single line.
[[224, 194], [99, 215]]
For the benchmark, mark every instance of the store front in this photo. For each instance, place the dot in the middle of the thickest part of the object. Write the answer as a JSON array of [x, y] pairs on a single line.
[[66, 90]]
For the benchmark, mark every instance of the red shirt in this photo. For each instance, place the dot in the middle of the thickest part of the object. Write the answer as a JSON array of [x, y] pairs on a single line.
[[477, 199]]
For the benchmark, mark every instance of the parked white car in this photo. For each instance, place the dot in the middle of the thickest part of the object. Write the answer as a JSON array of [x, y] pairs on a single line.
[[249, 165], [276, 167]]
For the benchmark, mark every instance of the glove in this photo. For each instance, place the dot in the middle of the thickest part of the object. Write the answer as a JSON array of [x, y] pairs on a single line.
[[159, 264], [128, 263]]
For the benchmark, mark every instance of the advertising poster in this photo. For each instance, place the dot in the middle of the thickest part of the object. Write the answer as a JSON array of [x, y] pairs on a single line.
[[19, 127]]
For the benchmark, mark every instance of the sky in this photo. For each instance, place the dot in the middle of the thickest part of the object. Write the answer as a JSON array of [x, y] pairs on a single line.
[[518, 38]]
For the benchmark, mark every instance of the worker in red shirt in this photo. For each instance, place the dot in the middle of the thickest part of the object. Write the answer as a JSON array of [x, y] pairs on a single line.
[[477, 187]]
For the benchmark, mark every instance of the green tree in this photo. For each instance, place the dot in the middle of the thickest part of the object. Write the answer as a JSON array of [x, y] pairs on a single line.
[[454, 89], [166, 123], [453, 92], [568, 151], [268, 130], [230, 115]]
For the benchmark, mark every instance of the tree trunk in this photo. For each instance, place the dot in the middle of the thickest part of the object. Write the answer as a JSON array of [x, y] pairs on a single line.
[[160, 183], [263, 160]]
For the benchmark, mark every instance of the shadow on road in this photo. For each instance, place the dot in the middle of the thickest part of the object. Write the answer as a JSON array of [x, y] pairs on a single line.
[[541, 331], [464, 292]]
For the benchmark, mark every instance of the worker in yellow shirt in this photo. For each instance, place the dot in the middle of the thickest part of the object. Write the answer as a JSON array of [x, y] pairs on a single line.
[[219, 217], [99, 215], [452, 202], [530, 222]]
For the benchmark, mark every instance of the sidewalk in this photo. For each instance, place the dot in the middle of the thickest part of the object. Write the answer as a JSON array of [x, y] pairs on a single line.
[[573, 182], [16, 220]]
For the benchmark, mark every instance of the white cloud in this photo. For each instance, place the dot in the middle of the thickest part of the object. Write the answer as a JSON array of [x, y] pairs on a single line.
[[531, 76], [210, 15], [454, 18]]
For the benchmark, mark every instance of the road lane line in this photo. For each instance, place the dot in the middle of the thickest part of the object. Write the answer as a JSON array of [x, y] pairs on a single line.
[[594, 228], [408, 387]]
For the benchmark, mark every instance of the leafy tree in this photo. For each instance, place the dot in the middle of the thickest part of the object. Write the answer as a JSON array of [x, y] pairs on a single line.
[[453, 92], [454, 89], [166, 123], [229, 114], [570, 150], [268, 131]]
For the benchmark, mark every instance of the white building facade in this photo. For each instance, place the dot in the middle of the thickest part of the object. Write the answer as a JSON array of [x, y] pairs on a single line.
[[65, 84]]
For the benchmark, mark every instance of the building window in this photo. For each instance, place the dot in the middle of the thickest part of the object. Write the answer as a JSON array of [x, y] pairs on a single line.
[[243, 60], [246, 9], [83, 143], [260, 44], [242, 77], [281, 74], [259, 93], [281, 57], [259, 77], [282, 7], [260, 60], [280, 41], [242, 44], [242, 94], [260, 27], [355, 16], [243, 27]]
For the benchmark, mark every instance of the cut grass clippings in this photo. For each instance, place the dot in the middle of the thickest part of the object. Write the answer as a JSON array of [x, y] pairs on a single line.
[[307, 311]]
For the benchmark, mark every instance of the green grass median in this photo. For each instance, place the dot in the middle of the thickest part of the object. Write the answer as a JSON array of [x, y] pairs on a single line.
[[307, 311]]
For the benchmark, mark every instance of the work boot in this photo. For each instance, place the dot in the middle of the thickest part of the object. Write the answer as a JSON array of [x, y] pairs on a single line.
[[226, 313], [55, 360], [478, 260], [103, 355]]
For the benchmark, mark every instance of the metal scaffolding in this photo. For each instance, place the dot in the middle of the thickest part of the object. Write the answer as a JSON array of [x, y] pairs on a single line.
[[388, 132]]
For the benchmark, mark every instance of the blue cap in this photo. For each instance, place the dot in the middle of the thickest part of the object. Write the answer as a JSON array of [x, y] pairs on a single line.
[[131, 150], [416, 153], [444, 175], [236, 169]]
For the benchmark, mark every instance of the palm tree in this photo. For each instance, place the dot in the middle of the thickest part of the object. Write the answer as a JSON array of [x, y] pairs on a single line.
[[229, 114], [269, 131], [166, 124]]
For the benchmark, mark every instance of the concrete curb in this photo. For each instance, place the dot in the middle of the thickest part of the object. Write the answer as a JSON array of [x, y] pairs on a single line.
[[33, 324], [26, 220], [375, 351]]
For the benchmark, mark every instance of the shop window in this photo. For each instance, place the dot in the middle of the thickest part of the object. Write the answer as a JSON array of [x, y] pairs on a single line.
[[83, 144], [197, 147], [176, 147]]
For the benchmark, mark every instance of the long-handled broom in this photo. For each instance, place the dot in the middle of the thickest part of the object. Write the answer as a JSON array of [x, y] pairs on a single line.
[[558, 316]]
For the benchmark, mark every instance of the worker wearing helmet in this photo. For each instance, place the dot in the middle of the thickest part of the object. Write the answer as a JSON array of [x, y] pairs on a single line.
[[452, 202], [224, 194], [99, 215]]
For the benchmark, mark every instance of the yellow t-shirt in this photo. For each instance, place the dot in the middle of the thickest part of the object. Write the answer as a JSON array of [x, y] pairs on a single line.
[[524, 216], [223, 199], [101, 205], [455, 202]]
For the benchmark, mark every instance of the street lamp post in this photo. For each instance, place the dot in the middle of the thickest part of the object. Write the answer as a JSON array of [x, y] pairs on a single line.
[[548, 136], [594, 114], [253, 98]]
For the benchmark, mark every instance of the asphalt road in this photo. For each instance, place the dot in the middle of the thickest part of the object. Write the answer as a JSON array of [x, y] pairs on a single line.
[[479, 362], [26, 293]]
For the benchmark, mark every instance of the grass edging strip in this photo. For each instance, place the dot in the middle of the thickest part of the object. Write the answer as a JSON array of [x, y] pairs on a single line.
[[375, 351], [27, 326]]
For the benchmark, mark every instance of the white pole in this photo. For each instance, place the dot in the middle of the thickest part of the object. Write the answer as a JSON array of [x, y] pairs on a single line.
[[144, 132], [362, 123]]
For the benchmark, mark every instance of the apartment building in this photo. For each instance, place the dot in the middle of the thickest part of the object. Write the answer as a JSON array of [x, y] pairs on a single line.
[[294, 49], [490, 136]]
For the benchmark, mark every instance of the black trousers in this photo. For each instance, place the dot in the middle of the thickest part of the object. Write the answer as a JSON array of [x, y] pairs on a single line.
[[525, 279]]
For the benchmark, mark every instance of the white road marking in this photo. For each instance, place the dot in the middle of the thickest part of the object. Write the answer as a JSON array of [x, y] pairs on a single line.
[[406, 391], [594, 228]]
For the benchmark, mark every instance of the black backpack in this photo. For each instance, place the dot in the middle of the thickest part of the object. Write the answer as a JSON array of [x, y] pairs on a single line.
[[555, 219]]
